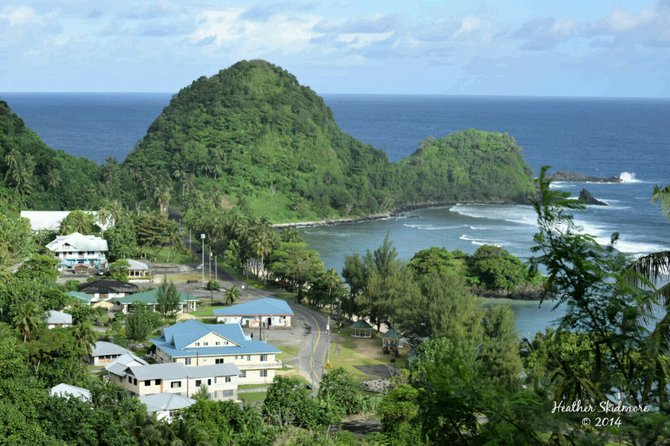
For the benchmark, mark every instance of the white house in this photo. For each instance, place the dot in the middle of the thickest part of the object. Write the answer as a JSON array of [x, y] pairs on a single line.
[[165, 405], [57, 319], [51, 220], [78, 249], [137, 269], [106, 352], [68, 391], [194, 343], [221, 380], [268, 311]]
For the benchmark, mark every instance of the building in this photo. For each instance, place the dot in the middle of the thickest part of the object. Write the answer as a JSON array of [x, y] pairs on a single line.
[[58, 319], [165, 405], [150, 299], [137, 269], [361, 329], [51, 220], [221, 380], [268, 311], [194, 343], [121, 363], [104, 289], [68, 391], [78, 249], [106, 352]]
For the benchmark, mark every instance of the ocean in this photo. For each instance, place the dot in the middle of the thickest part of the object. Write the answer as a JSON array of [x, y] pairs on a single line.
[[628, 138]]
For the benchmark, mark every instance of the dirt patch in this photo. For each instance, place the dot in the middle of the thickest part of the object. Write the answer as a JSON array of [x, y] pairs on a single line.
[[380, 371], [360, 426]]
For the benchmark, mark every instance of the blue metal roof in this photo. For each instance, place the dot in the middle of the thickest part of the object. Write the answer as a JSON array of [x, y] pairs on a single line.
[[265, 306], [176, 337]]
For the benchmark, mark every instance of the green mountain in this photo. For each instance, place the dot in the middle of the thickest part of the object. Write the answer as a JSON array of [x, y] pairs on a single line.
[[251, 136], [35, 176]]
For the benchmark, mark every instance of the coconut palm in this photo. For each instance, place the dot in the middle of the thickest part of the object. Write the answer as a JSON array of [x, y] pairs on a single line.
[[110, 212], [20, 171], [232, 295], [162, 194], [53, 178], [27, 318], [84, 337]]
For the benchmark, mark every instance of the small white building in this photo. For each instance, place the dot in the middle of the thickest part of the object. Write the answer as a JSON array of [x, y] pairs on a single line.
[[221, 379], [78, 249], [106, 352], [267, 311], [58, 319], [137, 269], [68, 391], [51, 220], [165, 405]]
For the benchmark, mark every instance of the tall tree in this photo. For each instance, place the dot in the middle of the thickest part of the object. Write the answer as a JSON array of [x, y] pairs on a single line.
[[167, 299], [27, 318], [232, 295], [138, 325], [78, 221]]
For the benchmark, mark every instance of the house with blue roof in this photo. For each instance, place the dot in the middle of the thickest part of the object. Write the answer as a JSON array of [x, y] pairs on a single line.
[[193, 343], [268, 311]]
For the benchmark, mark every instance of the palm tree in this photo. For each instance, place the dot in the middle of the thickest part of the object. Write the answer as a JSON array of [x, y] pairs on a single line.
[[27, 319], [110, 212], [331, 280], [84, 337], [263, 242], [20, 171], [232, 295], [185, 433], [53, 178], [162, 194]]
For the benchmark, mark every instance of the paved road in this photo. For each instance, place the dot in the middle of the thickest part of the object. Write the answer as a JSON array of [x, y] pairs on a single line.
[[312, 355], [313, 341]]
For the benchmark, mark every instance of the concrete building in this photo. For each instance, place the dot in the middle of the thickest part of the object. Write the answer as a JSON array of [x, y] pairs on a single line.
[[78, 249], [68, 391], [58, 319], [221, 380], [150, 299], [194, 343], [267, 311], [165, 405], [106, 352]]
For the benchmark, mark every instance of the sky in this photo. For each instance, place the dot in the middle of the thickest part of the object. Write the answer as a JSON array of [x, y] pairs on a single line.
[[596, 48]]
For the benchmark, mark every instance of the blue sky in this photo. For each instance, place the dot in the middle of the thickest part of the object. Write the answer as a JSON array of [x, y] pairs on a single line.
[[513, 47]]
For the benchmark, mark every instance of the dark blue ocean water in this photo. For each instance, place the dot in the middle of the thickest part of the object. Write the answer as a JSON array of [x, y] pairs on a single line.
[[604, 137]]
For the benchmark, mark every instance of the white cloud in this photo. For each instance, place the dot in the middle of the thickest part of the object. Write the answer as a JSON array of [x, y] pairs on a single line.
[[18, 15], [473, 25], [279, 33]]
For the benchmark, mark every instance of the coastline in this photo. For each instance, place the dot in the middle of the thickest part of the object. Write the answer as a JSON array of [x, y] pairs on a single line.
[[380, 216]]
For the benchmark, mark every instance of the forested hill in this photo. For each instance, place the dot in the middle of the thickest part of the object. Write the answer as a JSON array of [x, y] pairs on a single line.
[[252, 137], [35, 176]]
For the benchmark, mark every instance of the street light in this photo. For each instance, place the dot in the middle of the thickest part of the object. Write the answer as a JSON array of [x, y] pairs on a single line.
[[202, 237], [210, 264]]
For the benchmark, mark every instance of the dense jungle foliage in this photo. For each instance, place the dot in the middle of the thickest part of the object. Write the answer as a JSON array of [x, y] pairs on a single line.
[[252, 136], [34, 176]]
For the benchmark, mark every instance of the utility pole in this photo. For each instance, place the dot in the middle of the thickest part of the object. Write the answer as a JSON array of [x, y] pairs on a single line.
[[190, 250], [216, 268], [210, 263], [202, 237]]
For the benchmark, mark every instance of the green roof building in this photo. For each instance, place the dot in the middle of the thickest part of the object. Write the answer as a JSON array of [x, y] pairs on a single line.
[[361, 329], [150, 299]]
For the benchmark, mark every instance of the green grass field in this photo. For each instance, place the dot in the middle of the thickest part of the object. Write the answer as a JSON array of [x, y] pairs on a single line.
[[348, 352]]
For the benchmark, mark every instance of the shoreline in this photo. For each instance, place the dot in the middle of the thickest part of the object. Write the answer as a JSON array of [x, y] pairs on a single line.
[[381, 216]]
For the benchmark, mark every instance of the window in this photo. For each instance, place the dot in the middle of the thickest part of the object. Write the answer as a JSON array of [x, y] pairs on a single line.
[[218, 343], [218, 361], [264, 373], [147, 382], [209, 382], [228, 379], [248, 357], [198, 382], [130, 379], [157, 382], [187, 361], [243, 373], [205, 344], [264, 357], [197, 344], [175, 384]]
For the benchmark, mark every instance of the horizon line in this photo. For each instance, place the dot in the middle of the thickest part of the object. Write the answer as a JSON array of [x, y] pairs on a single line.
[[529, 96]]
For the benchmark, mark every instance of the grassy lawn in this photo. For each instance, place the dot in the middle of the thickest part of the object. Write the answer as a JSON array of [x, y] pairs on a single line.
[[166, 254], [287, 352], [252, 398], [206, 309], [348, 352], [183, 277]]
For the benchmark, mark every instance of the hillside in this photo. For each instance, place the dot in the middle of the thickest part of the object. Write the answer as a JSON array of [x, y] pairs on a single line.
[[35, 176], [251, 136], [470, 165]]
